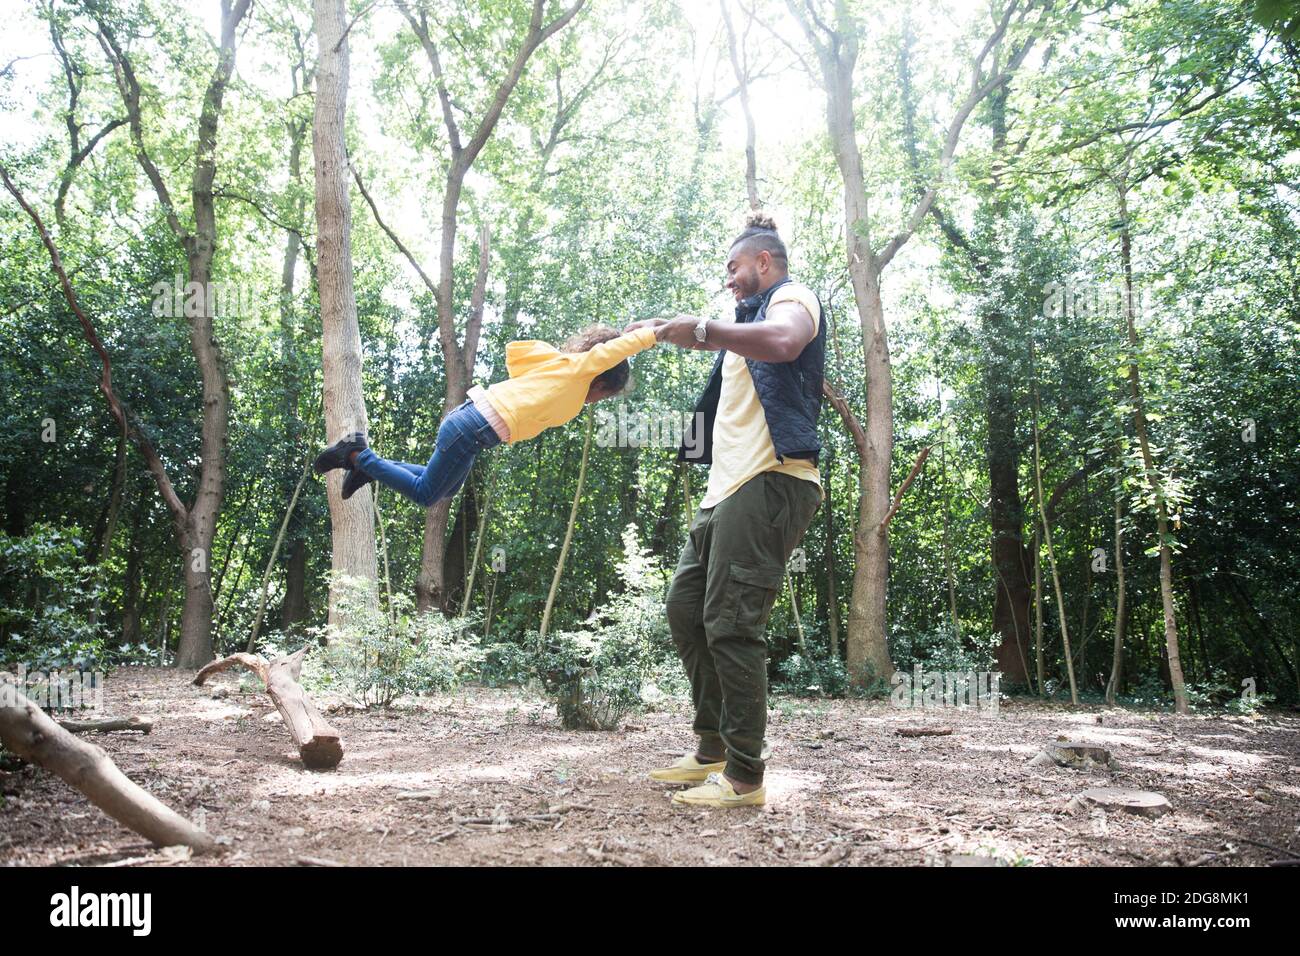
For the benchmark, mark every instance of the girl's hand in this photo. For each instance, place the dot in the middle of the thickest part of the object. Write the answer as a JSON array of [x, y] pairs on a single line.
[[643, 324]]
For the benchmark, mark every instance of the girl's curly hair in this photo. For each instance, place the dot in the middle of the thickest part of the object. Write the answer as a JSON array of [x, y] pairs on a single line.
[[612, 380]]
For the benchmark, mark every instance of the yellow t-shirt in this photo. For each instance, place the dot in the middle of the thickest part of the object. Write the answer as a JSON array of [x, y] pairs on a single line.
[[742, 444]]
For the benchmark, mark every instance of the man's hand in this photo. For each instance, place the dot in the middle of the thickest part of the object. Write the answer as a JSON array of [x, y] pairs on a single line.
[[681, 332]]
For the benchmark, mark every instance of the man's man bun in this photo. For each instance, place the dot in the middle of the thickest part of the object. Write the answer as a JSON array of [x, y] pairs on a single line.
[[760, 235]]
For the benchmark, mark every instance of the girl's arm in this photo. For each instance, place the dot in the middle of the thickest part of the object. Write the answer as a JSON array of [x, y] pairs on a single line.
[[608, 354]]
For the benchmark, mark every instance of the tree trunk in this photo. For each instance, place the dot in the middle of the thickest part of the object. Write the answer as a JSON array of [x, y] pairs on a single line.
[[1148, 461], [867, 639], [430, 588], [195, 523], [568, 534], [1121, 609], [352, 521], [1047, 540], [458, 358], [1006, 518], [868, 647]]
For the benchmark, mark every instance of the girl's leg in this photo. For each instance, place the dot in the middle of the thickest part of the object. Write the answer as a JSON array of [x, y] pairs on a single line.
[[457, 443], [397, 475]]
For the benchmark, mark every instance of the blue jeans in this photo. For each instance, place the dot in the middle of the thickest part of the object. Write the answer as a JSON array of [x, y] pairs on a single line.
[[463, 434]]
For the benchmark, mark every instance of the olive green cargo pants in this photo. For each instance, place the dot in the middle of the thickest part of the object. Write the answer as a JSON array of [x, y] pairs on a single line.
[[728, 577]]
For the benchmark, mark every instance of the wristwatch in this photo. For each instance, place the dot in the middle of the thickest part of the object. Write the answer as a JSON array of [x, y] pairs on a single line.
[[701, 330]]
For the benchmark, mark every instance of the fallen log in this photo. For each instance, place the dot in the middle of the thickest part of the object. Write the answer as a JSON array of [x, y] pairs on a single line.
[[318, 743], [33, 735], [923, 731], [107, 725]]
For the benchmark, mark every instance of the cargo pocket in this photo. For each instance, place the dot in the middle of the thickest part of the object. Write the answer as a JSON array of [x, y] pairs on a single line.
[[777, 503], [751, 592]]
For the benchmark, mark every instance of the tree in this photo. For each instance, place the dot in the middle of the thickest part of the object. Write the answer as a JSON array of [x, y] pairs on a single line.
[[458, 354], [834, 36], [352, 521], [196, 521]]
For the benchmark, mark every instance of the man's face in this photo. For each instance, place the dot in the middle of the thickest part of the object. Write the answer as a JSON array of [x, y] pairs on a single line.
[[745, 271]]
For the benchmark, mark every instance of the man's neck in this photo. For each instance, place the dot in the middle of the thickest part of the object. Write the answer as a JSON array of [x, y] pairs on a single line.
[[771, 282]]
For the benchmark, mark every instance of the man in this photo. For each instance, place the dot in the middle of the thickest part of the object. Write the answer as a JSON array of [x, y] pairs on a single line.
[[756, 425]]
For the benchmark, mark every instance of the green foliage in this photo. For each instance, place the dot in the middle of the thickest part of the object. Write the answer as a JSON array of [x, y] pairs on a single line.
[[815, 674], [48, 600], [611, 187], [1218, 692], [381, 654], [506, 664], [943, 650]]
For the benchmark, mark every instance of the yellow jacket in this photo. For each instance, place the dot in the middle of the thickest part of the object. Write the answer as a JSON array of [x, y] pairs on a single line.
[[547, 387]]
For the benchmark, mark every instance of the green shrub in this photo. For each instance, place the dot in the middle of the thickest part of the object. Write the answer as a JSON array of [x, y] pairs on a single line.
[[381, 654], [1218, 692], [600, 672], [813, 674], [508, 665]]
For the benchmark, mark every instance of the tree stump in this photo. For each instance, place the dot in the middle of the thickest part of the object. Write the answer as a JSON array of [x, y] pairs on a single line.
[[33, 735], [1077, 754], [1144, 803], [318, 743]]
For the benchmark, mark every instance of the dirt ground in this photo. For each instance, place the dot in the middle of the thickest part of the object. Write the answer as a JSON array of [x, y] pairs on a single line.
[[489, 777]]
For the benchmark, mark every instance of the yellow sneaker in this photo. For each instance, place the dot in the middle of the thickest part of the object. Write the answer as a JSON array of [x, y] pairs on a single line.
[[686, 770], [718, 792]]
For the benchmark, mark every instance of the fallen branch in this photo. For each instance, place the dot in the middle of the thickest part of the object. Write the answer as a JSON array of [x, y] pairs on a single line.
[[33, 735], [835, 854], [107, 725], [923, 731], [318, 743]]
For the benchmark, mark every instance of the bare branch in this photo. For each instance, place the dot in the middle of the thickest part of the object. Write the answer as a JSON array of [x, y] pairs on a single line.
[[907, 483], [401, 246], [129, 88]]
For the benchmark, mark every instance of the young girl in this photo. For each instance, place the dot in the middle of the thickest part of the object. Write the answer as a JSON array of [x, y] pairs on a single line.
[[547, 387]]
